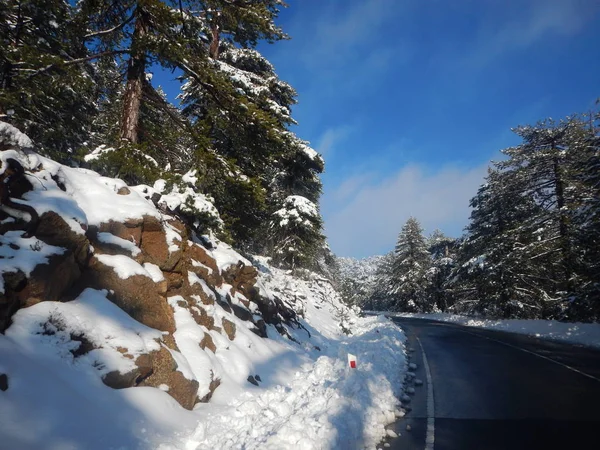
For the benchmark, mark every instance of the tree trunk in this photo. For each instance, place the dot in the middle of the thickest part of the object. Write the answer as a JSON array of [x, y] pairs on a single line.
[[213, 50], [136, 71], [567, 261]]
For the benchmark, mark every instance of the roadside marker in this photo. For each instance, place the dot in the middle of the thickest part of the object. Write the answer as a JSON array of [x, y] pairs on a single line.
[[352, 361]]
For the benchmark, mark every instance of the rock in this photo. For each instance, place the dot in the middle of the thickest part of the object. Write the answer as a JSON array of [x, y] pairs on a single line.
[[252, 380], [174, 281], [53, 230], [143, 370], [241, 277], [151, 223], [241, 313], [208, 343], [229, 328], [162, 287], [14, 282], [3, 382], [210, 273], [131, 230], [124, 190], [214, 384], [48, 282], [165, 372], [202, 318], [137, 295], [155, 249], [257, 377]]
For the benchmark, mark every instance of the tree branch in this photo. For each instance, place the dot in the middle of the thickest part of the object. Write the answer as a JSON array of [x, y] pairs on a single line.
[[77, 61], [110, 30]]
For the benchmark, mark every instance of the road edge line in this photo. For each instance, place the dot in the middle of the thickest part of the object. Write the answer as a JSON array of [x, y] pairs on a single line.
[[430, 435]]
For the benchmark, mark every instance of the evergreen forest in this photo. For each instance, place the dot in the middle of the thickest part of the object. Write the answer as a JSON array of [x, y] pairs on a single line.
[[76, 77]]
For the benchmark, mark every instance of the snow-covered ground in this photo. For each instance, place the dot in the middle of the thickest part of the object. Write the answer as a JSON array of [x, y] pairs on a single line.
[[307, 398], [576, 333]]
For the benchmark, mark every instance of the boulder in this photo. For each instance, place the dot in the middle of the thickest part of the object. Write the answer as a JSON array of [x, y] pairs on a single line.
[[14, 282], [164, 371], [202, 318], [117, 380], [240, 277], [214, 384], [208, 343], [229, 328], [48, 282], [210, 273], [156, 251], [131, 230], [137, 295], [53, 230]]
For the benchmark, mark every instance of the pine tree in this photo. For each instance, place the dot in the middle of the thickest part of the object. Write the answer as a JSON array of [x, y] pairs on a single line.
[[492, 276], [443, 251], [381, 297], [410, 266], [46, 83], [585, 303]]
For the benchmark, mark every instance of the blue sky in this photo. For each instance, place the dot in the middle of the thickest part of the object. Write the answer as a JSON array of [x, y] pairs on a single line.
[[409, 100]]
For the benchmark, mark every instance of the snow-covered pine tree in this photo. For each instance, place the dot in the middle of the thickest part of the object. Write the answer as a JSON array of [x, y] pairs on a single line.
[[443, 251], [46, 84], [409, 269], [381, 297], [543, 169], [492, 276], [585, 303]]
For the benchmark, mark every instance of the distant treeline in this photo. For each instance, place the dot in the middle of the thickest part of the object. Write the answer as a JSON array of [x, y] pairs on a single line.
[[532, 246]]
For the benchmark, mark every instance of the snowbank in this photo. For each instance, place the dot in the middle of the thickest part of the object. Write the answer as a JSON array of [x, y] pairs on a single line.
[[575, 333]]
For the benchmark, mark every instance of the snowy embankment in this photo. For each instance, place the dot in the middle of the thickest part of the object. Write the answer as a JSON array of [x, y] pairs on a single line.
[[156, 307], [587, 334]]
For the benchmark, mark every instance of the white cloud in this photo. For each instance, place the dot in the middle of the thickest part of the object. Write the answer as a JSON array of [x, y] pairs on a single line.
[[331, 138], [364, 215], [530, 23]]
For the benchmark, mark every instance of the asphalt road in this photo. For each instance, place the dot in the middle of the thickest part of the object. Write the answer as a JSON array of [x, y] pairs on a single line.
[[497, 390]]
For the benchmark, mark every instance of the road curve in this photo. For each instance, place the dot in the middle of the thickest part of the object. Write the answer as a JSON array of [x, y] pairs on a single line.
[[497, 390]]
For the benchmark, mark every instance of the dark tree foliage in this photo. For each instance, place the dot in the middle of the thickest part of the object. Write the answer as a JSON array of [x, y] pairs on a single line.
[[76, 77]]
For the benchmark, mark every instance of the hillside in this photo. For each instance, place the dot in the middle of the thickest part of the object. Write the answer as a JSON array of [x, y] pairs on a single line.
[[124, 328]]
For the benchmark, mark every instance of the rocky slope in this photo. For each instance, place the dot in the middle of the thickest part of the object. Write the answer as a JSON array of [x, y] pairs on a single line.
[[96, 233]]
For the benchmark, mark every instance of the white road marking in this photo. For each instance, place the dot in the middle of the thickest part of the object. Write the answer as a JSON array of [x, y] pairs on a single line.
[[430, 435], [533, 353]]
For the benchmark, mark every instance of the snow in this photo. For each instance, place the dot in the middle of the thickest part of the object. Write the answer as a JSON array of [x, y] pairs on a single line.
[[296, 209], [109, 238], [314, 401], [11, 136], [124, 266], [587, 334], [155, 272], [23, 254], [226, 256]]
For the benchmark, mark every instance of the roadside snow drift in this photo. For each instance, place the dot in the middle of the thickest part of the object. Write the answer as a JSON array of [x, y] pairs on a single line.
[[587, 334]]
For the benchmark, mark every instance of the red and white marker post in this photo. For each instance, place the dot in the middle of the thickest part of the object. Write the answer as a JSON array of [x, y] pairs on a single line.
[[352, 361]]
